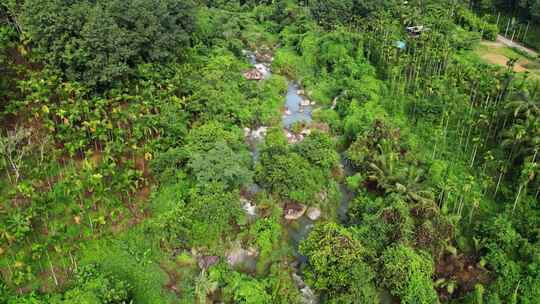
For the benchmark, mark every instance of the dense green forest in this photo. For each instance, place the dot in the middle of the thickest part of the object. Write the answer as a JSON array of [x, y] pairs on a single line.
[[271, 151]]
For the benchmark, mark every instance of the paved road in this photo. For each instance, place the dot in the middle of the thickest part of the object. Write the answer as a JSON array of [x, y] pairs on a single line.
[[516, 45]]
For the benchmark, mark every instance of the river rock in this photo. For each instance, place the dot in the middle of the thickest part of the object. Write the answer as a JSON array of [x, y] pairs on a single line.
[[257, 134], [289, 134], [313, 103], [306, 132], [264, 57], [308, 296], [254, 189], [298, 281], [305, 102], [288, 112], [206, 261], [260, 133], [300, 92], [254, 74], [313, 213], [323, 195], [249, 207], [240, 255], [294, 138], [294, 211], [262, 69]]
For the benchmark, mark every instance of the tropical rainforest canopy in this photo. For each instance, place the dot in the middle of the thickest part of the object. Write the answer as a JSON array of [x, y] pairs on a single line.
[[244, 151]]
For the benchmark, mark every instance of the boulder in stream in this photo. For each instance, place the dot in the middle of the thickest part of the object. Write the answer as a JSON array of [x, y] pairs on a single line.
[[206, 261], [264, 57], [294, 211], [263, 69], [305, 102], [249, 207], [254, 74], [298, 281], [293, 138], [308, 296], [257, 134], [260, 133], [243, 257], [305, 132], [313, 213]]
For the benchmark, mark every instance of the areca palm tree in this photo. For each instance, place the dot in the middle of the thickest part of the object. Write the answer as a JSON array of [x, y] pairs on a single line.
[[523, 138], [526, 103]]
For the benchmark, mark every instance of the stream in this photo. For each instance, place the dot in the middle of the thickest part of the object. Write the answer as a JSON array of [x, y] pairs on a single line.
[[294, 111], [297, 109]]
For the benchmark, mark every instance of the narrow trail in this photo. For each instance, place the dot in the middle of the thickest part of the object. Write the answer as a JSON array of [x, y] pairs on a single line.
[[516, 45]]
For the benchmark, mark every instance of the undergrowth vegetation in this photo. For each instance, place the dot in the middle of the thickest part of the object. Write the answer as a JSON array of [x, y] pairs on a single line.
[[130, 172]]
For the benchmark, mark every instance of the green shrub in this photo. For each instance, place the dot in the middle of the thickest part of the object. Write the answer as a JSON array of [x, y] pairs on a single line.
[[407, 274], [319, 149], [221, 164], [336, 268], [289, 175], [131, 258], [242, 289], [94, 285]]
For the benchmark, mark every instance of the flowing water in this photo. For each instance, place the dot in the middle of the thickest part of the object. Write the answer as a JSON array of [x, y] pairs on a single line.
[[298, 110], [298, 230], [346, 194], [294, 112]]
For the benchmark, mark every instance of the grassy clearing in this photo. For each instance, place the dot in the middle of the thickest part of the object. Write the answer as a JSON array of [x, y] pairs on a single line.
[[497, 53]]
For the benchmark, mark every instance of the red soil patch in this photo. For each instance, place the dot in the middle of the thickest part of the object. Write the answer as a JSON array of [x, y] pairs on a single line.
[[461, 269], [142, 165], [502, 60]]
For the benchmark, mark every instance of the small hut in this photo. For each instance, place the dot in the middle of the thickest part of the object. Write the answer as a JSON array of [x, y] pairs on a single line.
[[415, 31]]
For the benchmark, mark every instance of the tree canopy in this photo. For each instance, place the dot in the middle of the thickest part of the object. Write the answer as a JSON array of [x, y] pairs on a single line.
[[103, 42]]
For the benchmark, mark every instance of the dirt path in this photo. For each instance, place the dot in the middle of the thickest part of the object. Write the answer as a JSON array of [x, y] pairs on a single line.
[[516, 45], [501, 60]]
